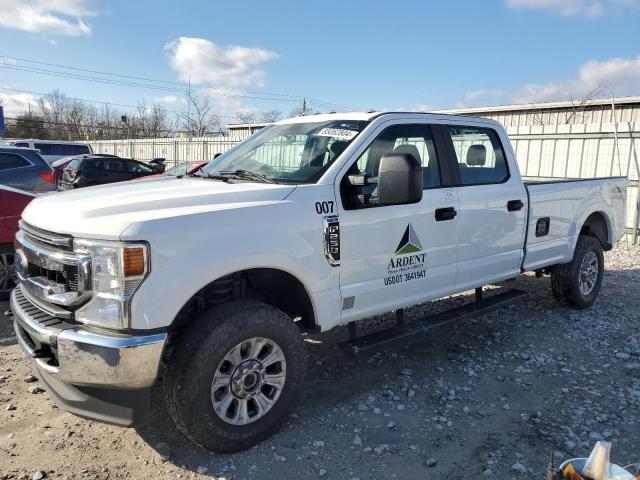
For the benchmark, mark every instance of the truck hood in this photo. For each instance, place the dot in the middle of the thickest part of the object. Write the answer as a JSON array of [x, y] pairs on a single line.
[[106, 211]]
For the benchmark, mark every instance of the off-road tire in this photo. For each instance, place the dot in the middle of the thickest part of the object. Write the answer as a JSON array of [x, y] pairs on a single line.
[[196, 356], [565, 278]]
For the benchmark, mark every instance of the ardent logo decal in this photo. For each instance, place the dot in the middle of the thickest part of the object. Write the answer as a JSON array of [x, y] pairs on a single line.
[[409, 242], [408, 262]]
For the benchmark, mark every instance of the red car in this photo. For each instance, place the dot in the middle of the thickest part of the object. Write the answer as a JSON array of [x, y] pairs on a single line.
[[12, 203]]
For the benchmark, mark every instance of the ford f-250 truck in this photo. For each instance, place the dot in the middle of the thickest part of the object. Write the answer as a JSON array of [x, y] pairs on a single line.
[[207, 281]]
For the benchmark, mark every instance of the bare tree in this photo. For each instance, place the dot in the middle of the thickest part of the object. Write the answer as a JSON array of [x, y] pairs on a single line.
[[245, 116], [270, 116], [53, 107], [152, 122], [202, 118], [574, 114]]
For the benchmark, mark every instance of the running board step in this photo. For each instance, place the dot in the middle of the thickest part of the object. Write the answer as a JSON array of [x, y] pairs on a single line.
[[401, 333]]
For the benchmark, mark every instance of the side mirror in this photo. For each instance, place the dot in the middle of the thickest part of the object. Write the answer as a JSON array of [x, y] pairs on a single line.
[[399, 179]]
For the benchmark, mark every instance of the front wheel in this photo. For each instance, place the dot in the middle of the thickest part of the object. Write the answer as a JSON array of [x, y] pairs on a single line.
[[579, 282], [8, 279], [235, 375]]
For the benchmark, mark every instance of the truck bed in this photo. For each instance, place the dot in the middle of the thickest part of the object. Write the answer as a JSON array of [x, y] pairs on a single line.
[[567, 203]]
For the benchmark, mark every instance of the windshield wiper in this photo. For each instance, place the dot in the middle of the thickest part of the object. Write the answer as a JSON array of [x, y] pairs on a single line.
[[247, 175], [201, 174]]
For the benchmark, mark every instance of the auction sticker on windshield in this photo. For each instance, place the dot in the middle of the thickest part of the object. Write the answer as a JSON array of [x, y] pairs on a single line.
[[339, 133]]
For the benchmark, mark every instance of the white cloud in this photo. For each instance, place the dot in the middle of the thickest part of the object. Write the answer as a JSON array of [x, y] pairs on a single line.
[[569, 8], [17, 103], [206, 62], [614, 75], [54, 17], [169, 100]]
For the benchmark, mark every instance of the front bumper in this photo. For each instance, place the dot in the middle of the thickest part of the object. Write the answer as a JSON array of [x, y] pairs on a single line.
[[103, 376]]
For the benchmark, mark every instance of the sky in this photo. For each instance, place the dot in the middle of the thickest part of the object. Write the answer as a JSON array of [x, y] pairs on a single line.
[[256, 56]]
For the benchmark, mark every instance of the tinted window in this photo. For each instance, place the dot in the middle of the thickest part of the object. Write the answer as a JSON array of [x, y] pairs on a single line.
[[114, 165], [137, 167], [92, 164], [65, 149], [11, 160], [481, 159], [21, 144]]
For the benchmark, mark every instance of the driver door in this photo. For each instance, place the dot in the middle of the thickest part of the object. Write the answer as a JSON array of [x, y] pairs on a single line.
[[396, 255]]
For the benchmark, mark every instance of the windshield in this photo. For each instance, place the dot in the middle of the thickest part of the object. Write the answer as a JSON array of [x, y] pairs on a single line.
[[289, 153]]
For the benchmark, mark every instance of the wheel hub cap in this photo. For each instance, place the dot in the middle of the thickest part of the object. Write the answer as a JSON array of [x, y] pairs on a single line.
[[248, 381], [588, 274]]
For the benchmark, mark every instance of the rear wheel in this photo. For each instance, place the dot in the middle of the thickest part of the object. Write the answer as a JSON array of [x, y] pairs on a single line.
[[579, 282], [8, 278], [235, 375]]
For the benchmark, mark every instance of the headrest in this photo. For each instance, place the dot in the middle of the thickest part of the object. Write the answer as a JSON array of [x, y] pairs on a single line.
[[477, 155], [410, 149], [338, 147]]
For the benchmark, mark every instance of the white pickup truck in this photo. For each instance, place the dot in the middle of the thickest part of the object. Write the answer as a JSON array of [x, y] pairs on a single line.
[[206, 282]]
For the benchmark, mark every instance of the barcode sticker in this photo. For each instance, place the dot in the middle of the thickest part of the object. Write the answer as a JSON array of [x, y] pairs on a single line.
[[339, 133]]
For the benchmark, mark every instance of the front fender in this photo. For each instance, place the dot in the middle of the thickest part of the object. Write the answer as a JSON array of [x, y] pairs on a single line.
[[191, 251]]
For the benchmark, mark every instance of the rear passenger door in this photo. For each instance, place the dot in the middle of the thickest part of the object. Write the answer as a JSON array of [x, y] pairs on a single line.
[[115, 170], [492, 207]]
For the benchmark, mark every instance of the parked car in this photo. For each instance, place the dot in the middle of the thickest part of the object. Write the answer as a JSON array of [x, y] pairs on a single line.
[[12, 203], [25, 169], [60, 164], [52, 150], [188, 168], [365, 213], [97, 170]]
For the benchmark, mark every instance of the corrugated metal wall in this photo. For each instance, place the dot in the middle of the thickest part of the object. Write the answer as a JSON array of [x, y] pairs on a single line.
[[558, 151]]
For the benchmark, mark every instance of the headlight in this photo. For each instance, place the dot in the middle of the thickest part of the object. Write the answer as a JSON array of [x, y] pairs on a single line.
[[118, 268]]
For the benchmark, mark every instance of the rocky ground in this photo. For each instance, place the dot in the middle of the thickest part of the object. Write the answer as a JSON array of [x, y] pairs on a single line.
[[493, 397]]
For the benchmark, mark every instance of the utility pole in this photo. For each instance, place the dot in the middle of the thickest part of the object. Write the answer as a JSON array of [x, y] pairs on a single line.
[[189, 111], [303, 109]]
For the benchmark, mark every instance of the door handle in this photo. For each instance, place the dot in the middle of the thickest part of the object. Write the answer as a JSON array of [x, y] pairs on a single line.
[[514, 205], [444, 214]]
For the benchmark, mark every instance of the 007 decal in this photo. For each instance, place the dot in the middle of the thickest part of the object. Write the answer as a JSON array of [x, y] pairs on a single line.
[[408, 261]]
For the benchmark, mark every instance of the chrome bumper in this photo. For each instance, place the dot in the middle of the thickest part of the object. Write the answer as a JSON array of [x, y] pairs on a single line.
[[75, 355]]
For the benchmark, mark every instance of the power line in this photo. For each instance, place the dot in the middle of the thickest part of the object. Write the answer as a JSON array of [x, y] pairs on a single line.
[[231, 92]]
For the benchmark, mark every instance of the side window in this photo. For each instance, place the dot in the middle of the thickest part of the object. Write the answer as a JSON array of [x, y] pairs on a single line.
[[92, 165], [21, 144], [114, 165], [416, 140], [480, 156], [46, 148], [10, 160], [136, 167]]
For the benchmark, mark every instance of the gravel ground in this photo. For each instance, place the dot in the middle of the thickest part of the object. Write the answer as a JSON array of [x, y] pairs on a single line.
[[492, 397]]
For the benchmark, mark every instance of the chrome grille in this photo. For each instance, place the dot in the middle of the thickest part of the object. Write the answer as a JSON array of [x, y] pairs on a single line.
[[48, 268], [47, 239]]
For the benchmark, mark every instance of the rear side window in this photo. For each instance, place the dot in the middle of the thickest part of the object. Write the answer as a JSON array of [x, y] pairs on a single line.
[[480, 156], [74, 165], [114, 165], [21, 144], [11, 160], [65, 149], [92, 165]]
